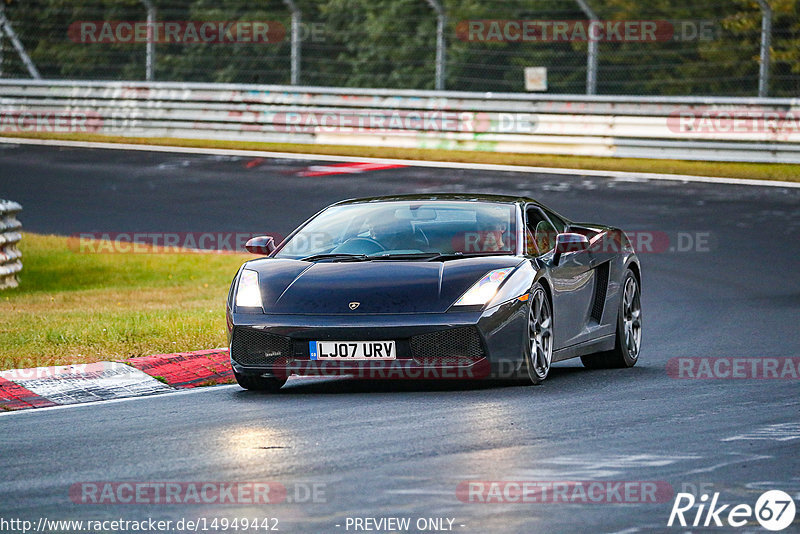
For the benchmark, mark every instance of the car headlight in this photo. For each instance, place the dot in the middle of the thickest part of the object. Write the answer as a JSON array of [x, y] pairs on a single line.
[[484, 289], [248, 294]]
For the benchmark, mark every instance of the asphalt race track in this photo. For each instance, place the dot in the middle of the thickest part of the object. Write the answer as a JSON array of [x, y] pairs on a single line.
[[400, 449]]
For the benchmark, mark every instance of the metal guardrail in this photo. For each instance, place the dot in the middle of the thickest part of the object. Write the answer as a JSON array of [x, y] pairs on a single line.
[[698, 128], [10, 235]]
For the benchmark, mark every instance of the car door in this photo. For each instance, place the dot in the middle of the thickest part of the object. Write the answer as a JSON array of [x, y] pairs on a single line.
[[572, 279]]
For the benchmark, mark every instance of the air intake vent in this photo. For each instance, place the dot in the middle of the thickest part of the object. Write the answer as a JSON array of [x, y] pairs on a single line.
[[600, 290], [452, 347], [252, 347]]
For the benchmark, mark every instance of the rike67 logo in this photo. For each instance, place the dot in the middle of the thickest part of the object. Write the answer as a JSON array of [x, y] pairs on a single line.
[[774, 510]]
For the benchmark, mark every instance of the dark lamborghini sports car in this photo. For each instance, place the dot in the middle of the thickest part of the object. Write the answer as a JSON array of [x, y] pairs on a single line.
[[434, 286]]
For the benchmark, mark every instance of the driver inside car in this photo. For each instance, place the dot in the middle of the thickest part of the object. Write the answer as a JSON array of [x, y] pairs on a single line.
[[493, 231], [393, 233]]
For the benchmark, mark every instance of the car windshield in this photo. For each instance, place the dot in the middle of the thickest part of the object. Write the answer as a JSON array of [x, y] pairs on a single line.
[[406, 229]]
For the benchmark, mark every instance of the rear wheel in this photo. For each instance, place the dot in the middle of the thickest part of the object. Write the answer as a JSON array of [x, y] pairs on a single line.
[[539, 353], [629, 331], [259, 383]]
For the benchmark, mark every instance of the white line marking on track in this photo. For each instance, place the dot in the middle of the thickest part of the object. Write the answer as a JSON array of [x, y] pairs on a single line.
[[294, 380], [739, 458], [620, 175], [777, 432], [114, 401]]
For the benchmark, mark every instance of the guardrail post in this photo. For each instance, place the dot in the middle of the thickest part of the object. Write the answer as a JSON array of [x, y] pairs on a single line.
[[150, 62], [10, 235], [591, 57], [441, 44], [5, 25], [296, 30], [766, 40]]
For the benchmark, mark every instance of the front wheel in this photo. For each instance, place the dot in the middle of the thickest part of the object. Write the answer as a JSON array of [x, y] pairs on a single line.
[[628, 340], [539, 352], [259, 383]]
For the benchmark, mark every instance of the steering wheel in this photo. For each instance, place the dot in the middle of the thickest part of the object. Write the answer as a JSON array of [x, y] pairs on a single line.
[[359, 245]]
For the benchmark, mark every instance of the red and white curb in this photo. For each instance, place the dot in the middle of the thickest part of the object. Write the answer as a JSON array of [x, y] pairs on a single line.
[[43, 387], [347, 168]]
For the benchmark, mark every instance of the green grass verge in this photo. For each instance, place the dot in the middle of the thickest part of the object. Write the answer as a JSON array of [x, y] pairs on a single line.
[[759, 171], [75, 307]]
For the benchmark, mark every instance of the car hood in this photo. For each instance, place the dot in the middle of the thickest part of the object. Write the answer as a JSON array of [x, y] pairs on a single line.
[[379, 287]]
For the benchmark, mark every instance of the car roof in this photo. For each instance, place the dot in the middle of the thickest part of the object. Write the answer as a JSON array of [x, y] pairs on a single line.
[[462, 197]]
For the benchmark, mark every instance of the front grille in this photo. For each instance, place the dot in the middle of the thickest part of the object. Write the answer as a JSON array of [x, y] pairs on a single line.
[[255, 348], [445, 361], [452, 347], [600, 290]]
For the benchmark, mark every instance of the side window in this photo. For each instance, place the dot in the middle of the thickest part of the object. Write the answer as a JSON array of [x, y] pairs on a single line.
[[540, 233], [560, 224]]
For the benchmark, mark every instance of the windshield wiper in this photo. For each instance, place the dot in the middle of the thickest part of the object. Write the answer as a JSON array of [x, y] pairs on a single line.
[[459, 255], [428, 256], [388, 256], [342, 257]]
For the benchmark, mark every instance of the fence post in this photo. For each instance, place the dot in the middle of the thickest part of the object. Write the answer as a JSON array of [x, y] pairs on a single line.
[[23, 55], [150, 62], [441, 21], [591, 57], [296, 20], [766, 40]]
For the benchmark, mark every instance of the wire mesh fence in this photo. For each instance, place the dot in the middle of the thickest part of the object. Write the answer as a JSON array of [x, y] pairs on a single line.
[[669, 47]]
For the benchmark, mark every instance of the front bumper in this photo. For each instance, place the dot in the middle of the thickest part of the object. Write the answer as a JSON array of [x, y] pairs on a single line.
[[465, 345]]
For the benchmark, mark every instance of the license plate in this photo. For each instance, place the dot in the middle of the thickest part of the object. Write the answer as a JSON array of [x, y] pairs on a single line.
[[352, 350]]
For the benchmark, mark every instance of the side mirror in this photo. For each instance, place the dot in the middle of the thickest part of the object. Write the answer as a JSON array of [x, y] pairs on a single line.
[[569, 242], [263, 244]]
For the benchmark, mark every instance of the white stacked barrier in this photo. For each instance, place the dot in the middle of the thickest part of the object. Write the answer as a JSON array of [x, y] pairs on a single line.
[[10, 236]]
